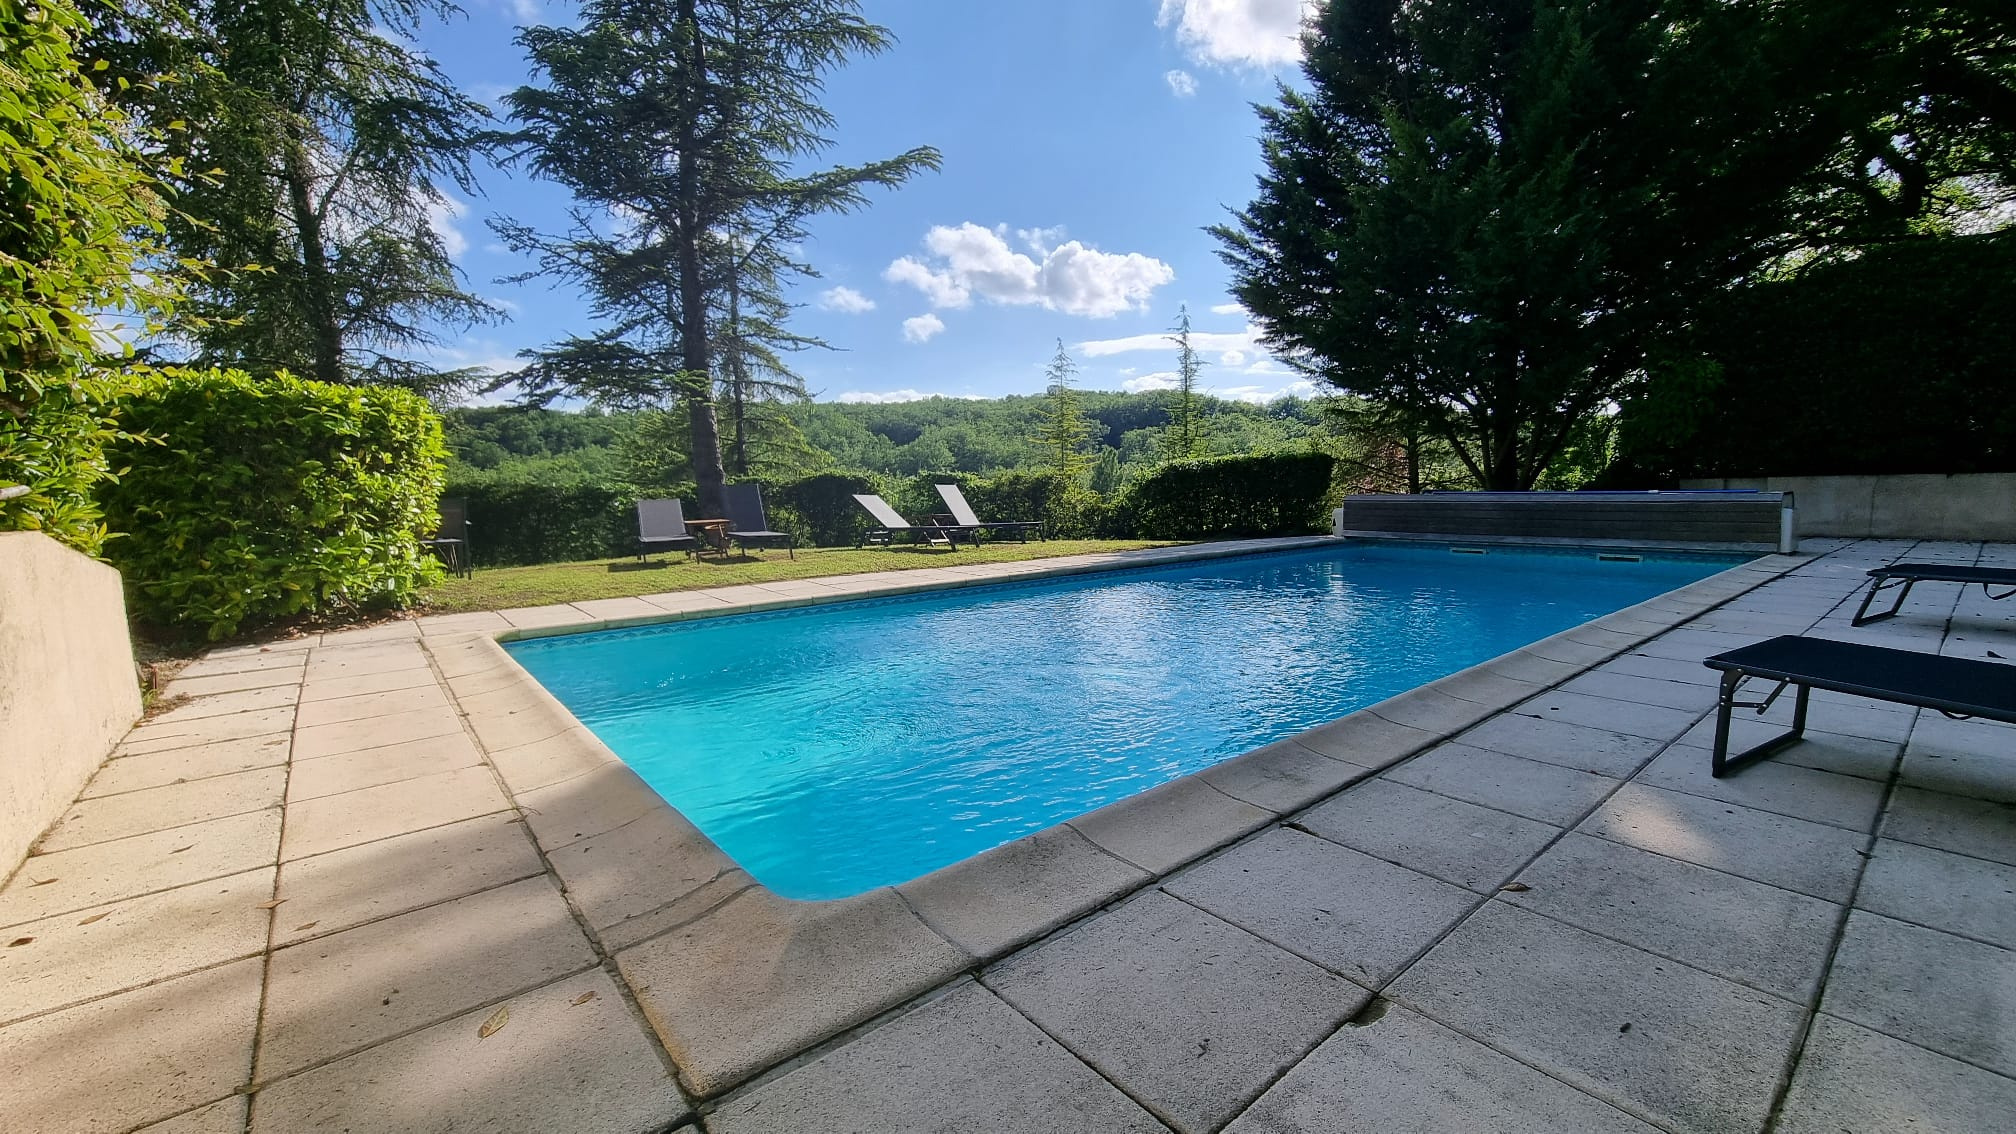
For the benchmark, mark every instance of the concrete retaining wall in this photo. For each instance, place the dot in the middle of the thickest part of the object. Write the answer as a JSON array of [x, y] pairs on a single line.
[[1966, 506], [67, 686]]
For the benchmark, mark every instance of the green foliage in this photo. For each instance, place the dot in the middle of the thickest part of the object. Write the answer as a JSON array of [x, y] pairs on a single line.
[[1185, 438], [251, 500], [1068, 510], [820, 508], [514, 522], [78, 213], [1064, 435], [1218, 497], [1896, 362], [312, 146]]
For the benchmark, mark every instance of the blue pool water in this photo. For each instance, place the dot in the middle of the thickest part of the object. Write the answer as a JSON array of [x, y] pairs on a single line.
[[834, 749]]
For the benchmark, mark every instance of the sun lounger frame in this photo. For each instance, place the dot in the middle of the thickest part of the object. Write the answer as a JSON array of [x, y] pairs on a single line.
[[1899, 578]]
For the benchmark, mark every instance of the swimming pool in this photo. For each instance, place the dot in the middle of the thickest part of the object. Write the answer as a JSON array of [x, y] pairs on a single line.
[[837, 748]]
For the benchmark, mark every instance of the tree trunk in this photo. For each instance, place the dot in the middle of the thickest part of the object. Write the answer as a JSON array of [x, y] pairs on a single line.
[[696, 358], [320, 308]]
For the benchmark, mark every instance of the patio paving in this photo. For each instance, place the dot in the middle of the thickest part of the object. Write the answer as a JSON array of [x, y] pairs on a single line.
[[377, 881]]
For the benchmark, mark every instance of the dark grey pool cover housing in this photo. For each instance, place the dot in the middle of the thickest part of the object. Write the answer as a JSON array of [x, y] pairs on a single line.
[[1958, 687]]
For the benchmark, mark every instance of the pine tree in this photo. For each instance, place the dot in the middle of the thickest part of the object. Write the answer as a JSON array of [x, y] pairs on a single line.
[[1065, 432], [683, 128], [1185, 436]]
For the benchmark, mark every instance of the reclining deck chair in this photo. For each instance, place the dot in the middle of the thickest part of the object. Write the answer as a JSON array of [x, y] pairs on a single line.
[[964, 516], [1901, 577], [746, 522], [888, 523], [661, 524]]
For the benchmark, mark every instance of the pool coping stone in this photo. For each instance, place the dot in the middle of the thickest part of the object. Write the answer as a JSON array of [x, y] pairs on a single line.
[[685, 956]]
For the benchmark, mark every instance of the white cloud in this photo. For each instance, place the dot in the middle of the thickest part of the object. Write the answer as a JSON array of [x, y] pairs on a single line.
[[1233, 358], [1204, 342], [1228, 309], [1160, 380], [1238, 33], [845, 300], [864, 397], [1072, 278], [527, 11], [1182, 83], [921, 328], [1261, 395], [442, 213]]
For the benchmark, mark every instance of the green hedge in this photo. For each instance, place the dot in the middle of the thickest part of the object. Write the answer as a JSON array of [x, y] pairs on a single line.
[[513, 523], [1899, 361], [1067, 512], [1259, 494], [245, 501], [820, 509]]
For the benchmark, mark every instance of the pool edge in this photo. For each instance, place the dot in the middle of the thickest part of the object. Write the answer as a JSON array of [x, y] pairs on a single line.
[[735, 979]]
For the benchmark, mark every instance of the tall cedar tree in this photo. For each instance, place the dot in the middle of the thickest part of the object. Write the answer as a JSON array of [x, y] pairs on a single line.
[[1185, 438], [1487, 215], [316, 147], [1065, 432], [680, 126]]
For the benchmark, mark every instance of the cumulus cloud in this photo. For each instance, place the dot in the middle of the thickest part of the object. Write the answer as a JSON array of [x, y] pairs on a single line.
[[1071, 278], [1182, 83], [1261, 395], [1160, 380], [865, 397], [1233, 358], [845, 300], [1228, 309], [1238, 33], [442, 213], [921, 328], [1204, 342]]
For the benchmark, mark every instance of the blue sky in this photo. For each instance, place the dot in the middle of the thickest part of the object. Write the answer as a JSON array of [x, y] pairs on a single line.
[[1086, 145]]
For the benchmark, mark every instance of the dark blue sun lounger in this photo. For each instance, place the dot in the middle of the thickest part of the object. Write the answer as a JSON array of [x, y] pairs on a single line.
[[746, 522], [1958, 687], [1901, 577]]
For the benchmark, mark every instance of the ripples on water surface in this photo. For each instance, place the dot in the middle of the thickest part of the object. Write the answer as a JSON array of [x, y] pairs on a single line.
[[834, 749]]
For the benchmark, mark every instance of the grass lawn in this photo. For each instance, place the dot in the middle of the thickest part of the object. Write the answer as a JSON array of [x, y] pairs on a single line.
[[497, 588]]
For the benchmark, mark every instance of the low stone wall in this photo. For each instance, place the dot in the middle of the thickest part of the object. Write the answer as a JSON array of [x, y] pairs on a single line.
[[1965, 506], [67, 686]]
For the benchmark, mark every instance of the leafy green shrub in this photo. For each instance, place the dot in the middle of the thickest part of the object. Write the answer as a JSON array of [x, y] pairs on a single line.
[[820, 509], [252, 500], [514, 522], [1259, 494]]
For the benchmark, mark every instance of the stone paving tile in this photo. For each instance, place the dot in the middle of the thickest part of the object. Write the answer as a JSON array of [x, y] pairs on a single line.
[[684, 602], [1189, 1015], [1281, 777], [1693, 698], [1696, 645], [1458, 842], [538, 617], [159, 769], [1166, 826], [1562, 743], [110, 1065], [994, 901], [724, 991], [400, 630], [641, 866], [1855, 1081], [204, 731], [1968, 758], [1980, 828], [600, 800], [569, 1057], [172, 805], [1650, 721], [415, 676], [1788, 789], [339, 710], [167, 711], [1770, 939], [332, 775], [329, 664], [1871, 720], [615, 609], [219, 662], [332, 822], [551, 759], [99, 873], [225, 1116], [312, 741], [473, 622], [1820, 750], [1637, 1030], [1968, 896], [335, 891], [1663, 669], [1406, 1074], [1546, 792], [1954, 996], [80, 955], [1353, 914], [1811, 858], [964, 1061], [232, 682], [339, 993]]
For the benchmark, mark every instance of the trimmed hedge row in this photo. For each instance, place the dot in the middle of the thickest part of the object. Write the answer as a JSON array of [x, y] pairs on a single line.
[[514, 523], [248, 500], [1216, 497]]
